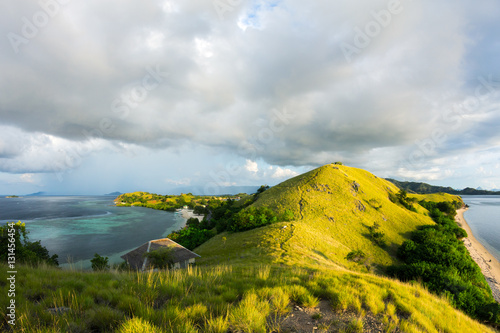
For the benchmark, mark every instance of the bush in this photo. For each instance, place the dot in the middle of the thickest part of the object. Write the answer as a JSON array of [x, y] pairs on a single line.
[[193, 222], [161, 258], [99, 263], [356, 256], [191, 237], [26, 252], [252, 218], [436, 257], [378, 237]]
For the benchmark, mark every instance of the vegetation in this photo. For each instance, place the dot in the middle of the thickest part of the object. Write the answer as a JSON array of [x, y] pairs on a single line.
[[191, 236], [169, 202], [356, 256], [24, 251], [402, 198], [423, 188], [435, 256], [227, 215], [221, 298], [99, 263], [161, 258], [377, 236]]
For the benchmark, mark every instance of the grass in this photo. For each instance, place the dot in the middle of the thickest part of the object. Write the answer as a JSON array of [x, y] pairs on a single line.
[[195, 300]]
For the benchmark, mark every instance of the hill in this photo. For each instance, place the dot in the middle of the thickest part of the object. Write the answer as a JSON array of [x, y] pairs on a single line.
[[424, 188], [288, 276], [334, 208]]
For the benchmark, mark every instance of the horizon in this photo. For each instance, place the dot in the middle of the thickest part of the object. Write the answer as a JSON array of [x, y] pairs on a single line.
[[197, 190], [122, 96]]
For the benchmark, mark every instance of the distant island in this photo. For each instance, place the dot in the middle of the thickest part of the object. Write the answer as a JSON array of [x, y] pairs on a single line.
[[12, 196], [113, 194], [36, 194], [424, 188]]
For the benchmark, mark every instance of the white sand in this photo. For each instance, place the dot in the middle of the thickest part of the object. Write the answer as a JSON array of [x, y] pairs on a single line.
[[489, 265], [188, 213]]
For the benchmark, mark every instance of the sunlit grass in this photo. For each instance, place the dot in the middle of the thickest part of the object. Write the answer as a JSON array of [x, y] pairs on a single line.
[[215, 299]]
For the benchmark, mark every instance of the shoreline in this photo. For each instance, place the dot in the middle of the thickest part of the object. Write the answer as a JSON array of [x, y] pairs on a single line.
[[490, 267], [189, 213]]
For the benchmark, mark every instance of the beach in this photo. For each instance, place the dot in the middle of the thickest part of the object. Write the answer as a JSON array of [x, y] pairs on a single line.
[[489, 265], [188, 213]]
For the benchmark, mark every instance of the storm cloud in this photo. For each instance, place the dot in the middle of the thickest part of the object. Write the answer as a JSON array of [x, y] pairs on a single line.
[[287, 83]]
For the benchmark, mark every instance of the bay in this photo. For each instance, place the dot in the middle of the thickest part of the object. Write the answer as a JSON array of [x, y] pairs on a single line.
[[77, 227]]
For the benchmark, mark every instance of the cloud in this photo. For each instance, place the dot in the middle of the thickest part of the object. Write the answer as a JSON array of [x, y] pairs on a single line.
[[166, 74], [27, 178], [184, 181], [282, 173], [38, 152], [251, 166]]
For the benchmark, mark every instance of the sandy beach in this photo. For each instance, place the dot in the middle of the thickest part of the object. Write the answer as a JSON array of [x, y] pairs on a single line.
[[188, 213], [489, 265]]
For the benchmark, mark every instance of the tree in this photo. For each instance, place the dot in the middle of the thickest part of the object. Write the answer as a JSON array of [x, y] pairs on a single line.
[[262, 188], [161, 258], [193, 222], [99, 263], [199, 210], [27, 252]]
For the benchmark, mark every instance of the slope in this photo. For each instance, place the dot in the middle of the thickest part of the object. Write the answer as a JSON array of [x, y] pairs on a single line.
[[334, 207]]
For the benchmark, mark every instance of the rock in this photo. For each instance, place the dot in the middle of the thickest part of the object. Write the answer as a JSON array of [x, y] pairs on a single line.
[[360, 206], [355, 186]]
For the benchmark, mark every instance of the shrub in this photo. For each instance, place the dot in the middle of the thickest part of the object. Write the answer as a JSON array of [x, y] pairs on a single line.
[[436, 256], [378, 237], [161, 258], [99, 263], [27, 252], [356, 256], [191, 237], [252, 218]]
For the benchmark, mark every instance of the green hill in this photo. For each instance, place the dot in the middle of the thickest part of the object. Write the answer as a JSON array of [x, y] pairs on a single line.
[[333, 208], [424, 188], [284, 277]]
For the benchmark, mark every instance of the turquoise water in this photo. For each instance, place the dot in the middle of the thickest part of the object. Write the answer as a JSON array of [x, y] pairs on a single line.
[[483, 217], [77, 227]]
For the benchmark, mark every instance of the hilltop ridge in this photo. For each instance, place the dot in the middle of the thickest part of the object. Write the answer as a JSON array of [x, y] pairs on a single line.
[[334, 207]]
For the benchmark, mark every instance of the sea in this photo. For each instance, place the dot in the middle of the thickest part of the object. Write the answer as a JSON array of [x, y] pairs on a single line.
[[483, 217], [77, 227]]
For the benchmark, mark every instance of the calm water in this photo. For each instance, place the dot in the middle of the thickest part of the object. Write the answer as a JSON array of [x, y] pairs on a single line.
[[76, 227], [483, 217]]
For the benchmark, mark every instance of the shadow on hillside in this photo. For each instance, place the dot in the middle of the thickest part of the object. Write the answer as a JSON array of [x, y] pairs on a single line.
[[378, 238], [321, 254]]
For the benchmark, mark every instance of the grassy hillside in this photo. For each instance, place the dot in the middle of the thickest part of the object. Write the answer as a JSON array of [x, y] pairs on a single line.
[[251, 298], [333, 208]]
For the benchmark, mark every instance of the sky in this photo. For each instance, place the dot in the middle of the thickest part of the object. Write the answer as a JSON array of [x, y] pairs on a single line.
[[120, 95]]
